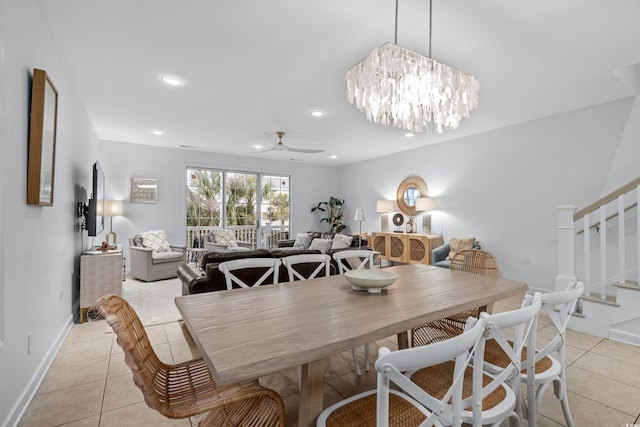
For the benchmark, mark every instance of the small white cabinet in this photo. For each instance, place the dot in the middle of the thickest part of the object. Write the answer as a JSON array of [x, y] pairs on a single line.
[[100, 274]]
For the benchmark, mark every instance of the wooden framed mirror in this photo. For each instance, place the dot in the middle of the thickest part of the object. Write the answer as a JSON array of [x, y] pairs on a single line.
[[42, 140], [409, 191]]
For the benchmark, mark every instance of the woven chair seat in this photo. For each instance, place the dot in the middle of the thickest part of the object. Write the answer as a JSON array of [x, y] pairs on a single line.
[[362, 412], [495, 355], [472, 261], [187, 389], [436, 380], [442, 329]]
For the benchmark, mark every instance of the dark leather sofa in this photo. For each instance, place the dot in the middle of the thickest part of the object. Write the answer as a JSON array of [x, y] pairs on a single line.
[[209, 279]]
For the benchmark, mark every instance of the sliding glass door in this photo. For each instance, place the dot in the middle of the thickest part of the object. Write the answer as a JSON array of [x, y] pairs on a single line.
[[255, 206]]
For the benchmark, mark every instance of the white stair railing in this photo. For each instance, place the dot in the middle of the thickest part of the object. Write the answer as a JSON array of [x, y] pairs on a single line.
[[619, 202], [638, 231]]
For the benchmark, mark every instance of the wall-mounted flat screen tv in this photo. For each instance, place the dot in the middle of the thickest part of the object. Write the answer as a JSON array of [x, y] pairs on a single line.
[[95, 214]]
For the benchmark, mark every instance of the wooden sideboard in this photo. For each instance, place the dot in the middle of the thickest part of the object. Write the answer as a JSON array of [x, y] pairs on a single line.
[[407, 248]]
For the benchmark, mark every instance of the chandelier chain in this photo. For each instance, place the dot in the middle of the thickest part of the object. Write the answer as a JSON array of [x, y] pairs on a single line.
[[396, 30], [430, 25]]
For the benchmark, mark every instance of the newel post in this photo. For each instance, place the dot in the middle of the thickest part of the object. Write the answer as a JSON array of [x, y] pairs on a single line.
[[566, 246]]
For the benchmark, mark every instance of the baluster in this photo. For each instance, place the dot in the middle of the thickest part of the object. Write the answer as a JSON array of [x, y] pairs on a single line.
[[638, 233], [622, 253], [586, 226], [566, 246], [603, 252]]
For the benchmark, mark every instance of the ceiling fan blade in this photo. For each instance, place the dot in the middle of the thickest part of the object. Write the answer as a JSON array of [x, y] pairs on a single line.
[[264, 151], [271, 137], [302, 150]]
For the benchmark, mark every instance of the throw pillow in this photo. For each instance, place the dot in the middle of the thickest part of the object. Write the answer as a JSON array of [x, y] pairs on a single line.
[[322, 245], [457, 244], [341, 241], [303, 240], [226, 237], [156, 240]]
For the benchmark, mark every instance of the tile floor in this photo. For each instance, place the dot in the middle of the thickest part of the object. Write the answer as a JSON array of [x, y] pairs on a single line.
[[89, 384]]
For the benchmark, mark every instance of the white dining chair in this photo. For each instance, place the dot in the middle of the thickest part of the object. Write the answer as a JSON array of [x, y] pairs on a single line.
[[493, 398], [269, 265], [353, 259], [294, 264], [356, 259], [412, 405], [549, 360]]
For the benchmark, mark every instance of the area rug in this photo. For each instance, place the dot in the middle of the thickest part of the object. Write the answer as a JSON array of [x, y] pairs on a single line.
[[153, 301]]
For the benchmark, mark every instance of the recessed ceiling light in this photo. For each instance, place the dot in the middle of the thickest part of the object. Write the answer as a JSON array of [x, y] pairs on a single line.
[[333, 157], [318, 113], [408, 135], [173, 81], [157, 132], [257, 146]]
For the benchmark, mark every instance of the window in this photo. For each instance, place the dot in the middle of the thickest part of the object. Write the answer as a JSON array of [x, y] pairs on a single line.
[[240, 201], [204, 198]]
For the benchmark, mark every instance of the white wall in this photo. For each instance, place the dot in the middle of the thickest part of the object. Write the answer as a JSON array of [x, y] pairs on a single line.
[[502, 186], [625, 168], [309, 185], [39, 246]]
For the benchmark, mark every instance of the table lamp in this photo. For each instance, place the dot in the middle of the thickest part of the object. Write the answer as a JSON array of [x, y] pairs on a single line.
[[426, 204], [112, 208], [385, 206], [359, 217]]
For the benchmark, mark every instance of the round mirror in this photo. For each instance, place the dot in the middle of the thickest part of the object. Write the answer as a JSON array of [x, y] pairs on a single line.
[[409, 191]]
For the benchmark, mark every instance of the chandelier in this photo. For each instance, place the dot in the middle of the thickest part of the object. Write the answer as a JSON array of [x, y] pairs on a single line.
[[397, 87]]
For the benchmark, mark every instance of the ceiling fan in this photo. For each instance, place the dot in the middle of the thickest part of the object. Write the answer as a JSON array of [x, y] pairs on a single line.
[[281, 147]]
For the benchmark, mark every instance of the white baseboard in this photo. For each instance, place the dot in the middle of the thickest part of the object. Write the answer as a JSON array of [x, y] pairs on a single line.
[[20, 406]]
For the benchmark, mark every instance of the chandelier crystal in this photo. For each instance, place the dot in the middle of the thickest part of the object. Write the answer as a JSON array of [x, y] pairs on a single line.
[[395, 86]]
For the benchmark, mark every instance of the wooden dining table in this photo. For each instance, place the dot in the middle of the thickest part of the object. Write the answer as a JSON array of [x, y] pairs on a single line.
[[244, 334]]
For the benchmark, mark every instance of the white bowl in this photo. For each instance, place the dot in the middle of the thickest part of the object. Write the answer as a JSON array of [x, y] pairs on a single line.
[[372, 281]]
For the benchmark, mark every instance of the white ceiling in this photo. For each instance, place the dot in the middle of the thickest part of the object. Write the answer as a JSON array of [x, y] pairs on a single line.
[[256, 66]]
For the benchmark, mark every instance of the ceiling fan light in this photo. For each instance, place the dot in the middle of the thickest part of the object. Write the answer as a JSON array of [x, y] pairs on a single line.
[[173, 81]]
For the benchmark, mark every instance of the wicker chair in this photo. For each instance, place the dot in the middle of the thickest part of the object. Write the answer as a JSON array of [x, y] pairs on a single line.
[[471, 261], [187, 389]]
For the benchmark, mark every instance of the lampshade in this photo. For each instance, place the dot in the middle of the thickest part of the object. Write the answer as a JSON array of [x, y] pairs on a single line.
[[113, 208], [359, 215], [426, 204], [385, 206]]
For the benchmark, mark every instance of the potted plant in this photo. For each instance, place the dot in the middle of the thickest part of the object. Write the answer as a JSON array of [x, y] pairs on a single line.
[[334, 214]]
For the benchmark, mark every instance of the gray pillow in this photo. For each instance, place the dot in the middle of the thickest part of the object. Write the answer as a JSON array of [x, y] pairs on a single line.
[[303, 240], [322, 245], [341, 241]]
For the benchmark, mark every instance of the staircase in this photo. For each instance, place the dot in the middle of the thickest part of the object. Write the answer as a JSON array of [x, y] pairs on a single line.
[[600, 245]]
